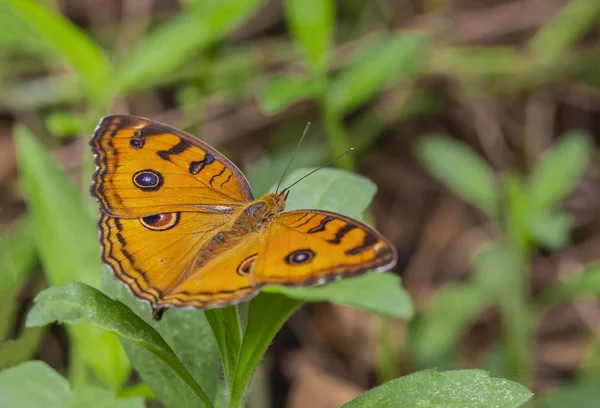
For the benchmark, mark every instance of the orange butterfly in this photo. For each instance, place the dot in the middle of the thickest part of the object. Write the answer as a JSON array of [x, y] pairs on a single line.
[[180, 227]]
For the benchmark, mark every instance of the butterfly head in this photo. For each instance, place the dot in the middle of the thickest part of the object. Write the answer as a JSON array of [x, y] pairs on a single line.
[[276, 201]]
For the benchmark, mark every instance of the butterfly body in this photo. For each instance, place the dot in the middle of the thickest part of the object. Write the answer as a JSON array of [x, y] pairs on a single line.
[[180, 227]]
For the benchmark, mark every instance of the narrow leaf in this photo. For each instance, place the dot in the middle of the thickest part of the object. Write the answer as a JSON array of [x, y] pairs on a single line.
[[312, 24], [379, 65], [18, 253], [379, 293], [67, 242], [556, 38], [432, 389], [461, 170], [283, 91], [177, 40], [266, 314], [82, 53], [437, 331], [559, 169], [225, 324]]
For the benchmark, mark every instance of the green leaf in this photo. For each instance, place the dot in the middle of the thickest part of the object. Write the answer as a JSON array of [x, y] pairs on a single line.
[[13, 352], [35, 385], [99, 398], [262, 174], [18, 254], [82, 53], [461, 170], [584, 282], [555, 39], [550, 230], [64, 233], [330, 189], [432, 389], [312, 24], [77, 303], [580, 394], [380, 293], [188, 333], [438, 329], [64, 123], [266, 314], [67, 242], [558, 170], [380, 64], [283, 91], [225, 324], [176, 41]]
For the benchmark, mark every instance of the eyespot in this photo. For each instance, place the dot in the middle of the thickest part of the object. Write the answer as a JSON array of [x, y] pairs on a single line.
[[136, 142], [160, 222], [148, 180], [246, 265], [299, 257]]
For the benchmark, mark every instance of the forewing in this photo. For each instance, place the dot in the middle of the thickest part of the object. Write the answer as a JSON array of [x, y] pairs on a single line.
[[145, 167]]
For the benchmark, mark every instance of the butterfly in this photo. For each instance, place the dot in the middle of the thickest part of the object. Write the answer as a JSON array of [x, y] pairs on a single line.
[[180, 227]]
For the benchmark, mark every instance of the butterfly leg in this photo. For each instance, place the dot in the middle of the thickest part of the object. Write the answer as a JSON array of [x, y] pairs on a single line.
[[157, 313]]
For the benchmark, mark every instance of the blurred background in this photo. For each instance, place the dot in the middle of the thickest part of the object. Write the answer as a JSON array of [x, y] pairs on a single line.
[[452, 107]]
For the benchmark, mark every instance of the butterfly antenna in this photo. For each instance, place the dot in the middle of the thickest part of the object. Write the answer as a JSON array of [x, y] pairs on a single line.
[[317, 169], [293, 155]]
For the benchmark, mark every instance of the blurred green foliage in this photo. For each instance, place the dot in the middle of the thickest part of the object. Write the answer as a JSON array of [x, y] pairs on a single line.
[[179, 359]]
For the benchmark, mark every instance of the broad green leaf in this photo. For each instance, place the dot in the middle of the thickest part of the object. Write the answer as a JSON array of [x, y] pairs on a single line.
[[550, 230], [330, 189], [555, 39], [266, 314], [461, 169], [380, 64], [580, 394], [76, 303], [35, 385], [283, 91], [432, 389], [438, 329], [189, 335], [263, 174], [67, 242], [18, 254], [312, 24], [82, 53], [378, 292], [177, 40], [99, 398], [558, 170]]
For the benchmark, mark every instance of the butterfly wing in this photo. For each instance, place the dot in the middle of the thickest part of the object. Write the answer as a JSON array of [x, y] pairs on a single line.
[[221, 280], [159, 265], [145, 167], [308, 247]]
